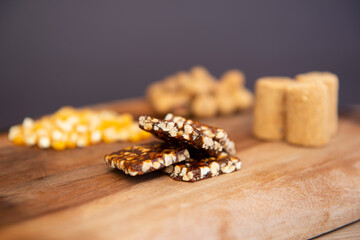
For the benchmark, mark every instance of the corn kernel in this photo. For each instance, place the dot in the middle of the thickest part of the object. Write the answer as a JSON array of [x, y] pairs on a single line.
[[14, 131], [19, 140], [30, 139], [109, 135], [64, 112], [28, 123], [58, 145], [124, 120], [44, 142], [95, 136], [83, 140], [107, 115], [135, 138], [64, 125], [108, 123], [72, 120], [122, 134], [94, 122], [85, 114], [72, 139], [144, 134], [57, 135], [41, 132], [81, 128], [47, 123]]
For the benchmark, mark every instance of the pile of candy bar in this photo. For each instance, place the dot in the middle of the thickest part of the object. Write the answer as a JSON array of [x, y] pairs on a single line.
[[190, 151]]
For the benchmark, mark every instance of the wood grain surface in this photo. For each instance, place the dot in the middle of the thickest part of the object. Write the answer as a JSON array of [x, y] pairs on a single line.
[[348, 232], [281, 192]]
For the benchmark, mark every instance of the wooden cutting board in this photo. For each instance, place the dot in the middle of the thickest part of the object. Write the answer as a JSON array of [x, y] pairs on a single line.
[[281, 192]]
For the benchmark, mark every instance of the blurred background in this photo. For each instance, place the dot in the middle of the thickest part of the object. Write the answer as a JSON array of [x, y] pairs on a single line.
[[55, 53]]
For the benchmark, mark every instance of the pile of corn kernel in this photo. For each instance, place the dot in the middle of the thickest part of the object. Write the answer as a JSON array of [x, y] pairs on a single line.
[[70, 128]]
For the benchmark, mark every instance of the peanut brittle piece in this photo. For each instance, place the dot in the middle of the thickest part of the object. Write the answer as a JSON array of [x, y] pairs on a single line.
[[198, 168], [215, 133], [180, 134], [144, 158], [179, 130]]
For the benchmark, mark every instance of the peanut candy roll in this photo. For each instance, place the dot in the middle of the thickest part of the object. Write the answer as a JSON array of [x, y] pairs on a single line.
[[307, 114], [332, 83], [269, 112]]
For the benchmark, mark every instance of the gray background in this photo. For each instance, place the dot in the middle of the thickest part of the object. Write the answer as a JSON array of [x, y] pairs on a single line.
[[55, 53]]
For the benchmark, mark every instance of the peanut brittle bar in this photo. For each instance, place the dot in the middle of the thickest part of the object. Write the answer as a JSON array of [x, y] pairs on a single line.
[[141, 159], [188, 133], [215, 133], [199, 167]]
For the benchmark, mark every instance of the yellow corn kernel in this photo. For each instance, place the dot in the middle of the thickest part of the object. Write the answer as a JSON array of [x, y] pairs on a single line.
[[94, 123], [144, 134], [30, 138], [140, 135], [83, 140], [42, 132], [64, 112], [85, 116], [81, 128], [14, 131], [73, 119], [124, 120], [58, 145], [46, 122], [85, 113], [122, 134], [72, 140], [28, 123], [63, 125], [16, 135], [107, 115], [95, 136], [108, 123], [135, 137], [57, 135], [109, 135], [58, 140], [44, 142], [19, 140]]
